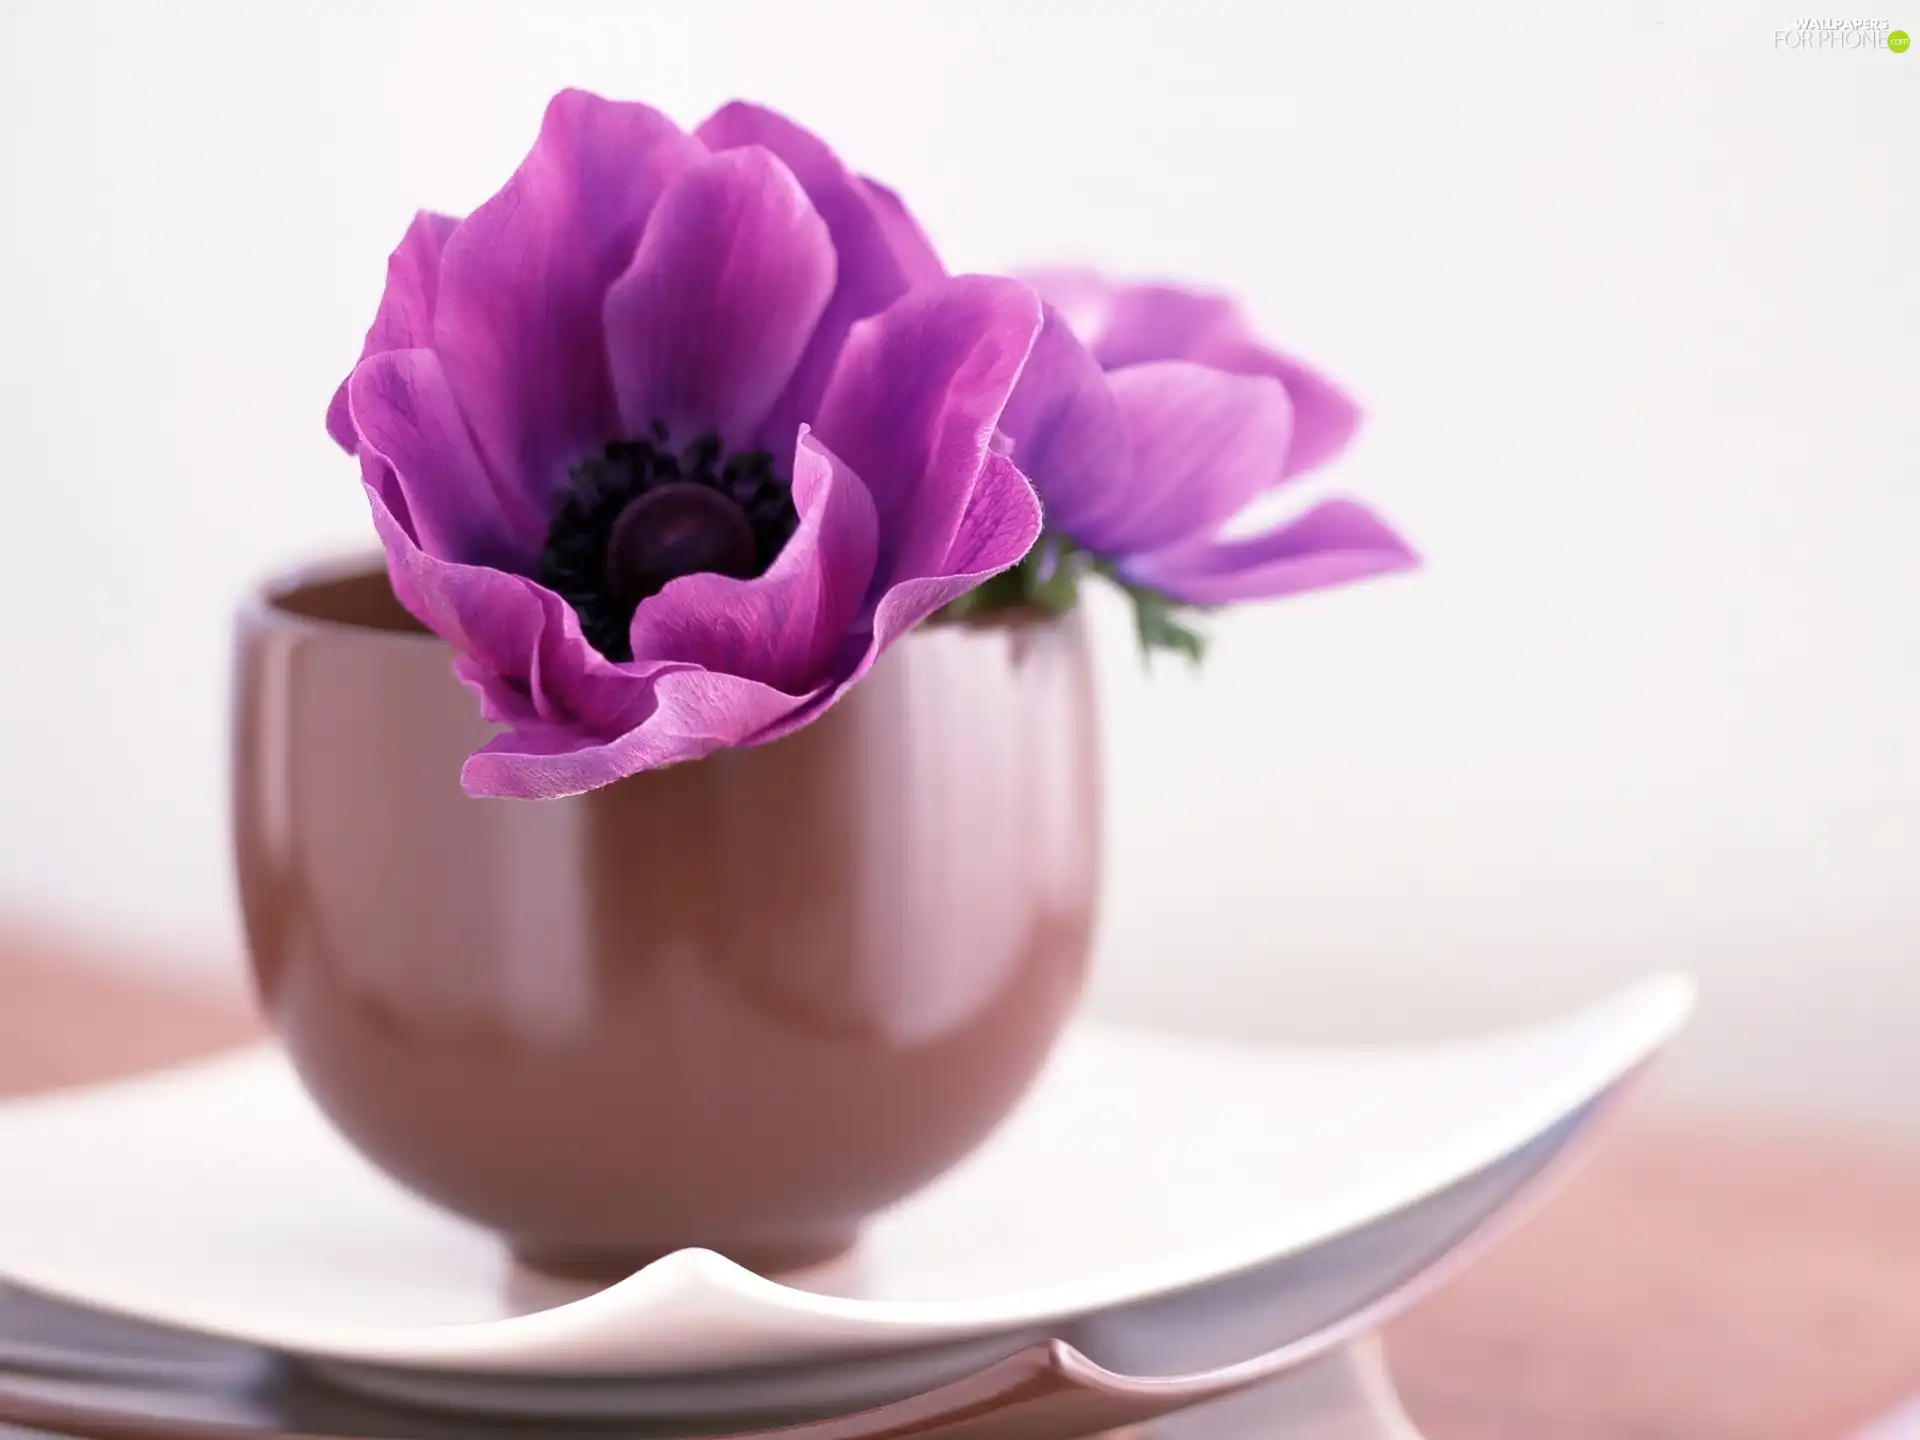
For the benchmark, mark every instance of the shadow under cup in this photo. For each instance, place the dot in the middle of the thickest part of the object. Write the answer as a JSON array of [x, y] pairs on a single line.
[[739, 1003]]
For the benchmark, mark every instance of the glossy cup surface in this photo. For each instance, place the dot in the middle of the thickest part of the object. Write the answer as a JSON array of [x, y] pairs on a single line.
[[740, 1003]]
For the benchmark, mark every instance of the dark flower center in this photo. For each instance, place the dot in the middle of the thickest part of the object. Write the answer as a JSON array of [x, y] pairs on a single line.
[[643, 514]]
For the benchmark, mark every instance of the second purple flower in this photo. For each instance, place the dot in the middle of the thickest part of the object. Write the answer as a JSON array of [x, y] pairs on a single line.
[[1149, 419]]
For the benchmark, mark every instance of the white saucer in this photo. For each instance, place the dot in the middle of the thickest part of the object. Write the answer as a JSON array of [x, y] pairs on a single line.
[[1301, 1304], [214, 1199], [1350, 1283]]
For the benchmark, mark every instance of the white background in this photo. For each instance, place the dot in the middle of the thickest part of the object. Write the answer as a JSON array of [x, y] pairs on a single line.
[[1630, 293]]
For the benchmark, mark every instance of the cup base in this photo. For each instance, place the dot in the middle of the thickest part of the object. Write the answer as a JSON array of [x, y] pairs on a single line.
[[607, 1267]]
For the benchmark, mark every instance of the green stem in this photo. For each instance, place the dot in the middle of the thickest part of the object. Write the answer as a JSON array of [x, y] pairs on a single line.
[[1049, 580]]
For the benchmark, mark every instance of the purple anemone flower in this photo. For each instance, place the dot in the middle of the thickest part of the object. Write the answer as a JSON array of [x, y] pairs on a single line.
[[1149, 417], [675, 434]]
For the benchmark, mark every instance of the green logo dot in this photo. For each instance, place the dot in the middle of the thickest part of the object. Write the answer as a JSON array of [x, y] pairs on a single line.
[[1897, 41]]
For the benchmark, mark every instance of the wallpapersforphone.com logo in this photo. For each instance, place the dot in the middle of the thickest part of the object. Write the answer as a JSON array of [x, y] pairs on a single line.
[[1813, 34]]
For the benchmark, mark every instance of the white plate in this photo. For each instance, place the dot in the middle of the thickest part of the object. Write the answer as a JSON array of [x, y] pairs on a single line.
[[215, 1199], [1303, 1304]]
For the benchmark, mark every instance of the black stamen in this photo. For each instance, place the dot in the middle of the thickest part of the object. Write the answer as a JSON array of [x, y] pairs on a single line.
[[660, 536]]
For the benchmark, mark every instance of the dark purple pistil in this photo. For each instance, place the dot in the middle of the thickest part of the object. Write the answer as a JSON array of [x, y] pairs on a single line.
[[679, 529], [642, 514]]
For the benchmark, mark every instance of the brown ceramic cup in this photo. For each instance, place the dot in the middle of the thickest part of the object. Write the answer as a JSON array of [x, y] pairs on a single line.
[[740, 1003]]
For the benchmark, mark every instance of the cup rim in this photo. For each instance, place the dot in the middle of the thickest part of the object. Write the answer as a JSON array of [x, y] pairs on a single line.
[[264, 602]]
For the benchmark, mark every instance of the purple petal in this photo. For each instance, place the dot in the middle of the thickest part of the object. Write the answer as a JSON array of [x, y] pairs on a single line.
[[1205, 443], [1324, 416], [1066, 432], [693, 714], [703, 331], [534, 762], [872, 272], [523, 280], [492, 619], [913, 404], [1335, 542], [919, 262], [404, 417], [404, 320], [1164, 322], [1133, 324], [1083, 297], [517, 645], [1001, 524], [1161, 322], [785, 627]]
